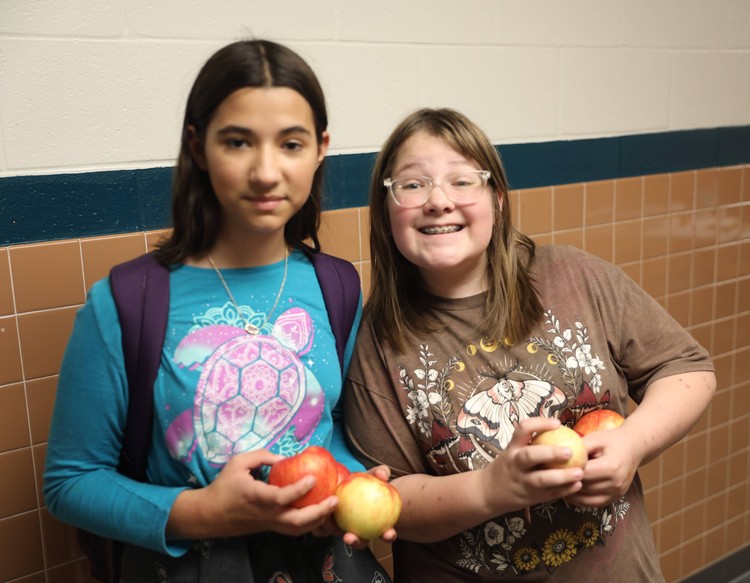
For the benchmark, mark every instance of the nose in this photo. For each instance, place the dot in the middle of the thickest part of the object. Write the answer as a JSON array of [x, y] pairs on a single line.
[[438, 201], [265, 167]]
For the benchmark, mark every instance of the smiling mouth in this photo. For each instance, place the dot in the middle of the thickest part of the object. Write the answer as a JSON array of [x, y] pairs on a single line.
[[440, 230]]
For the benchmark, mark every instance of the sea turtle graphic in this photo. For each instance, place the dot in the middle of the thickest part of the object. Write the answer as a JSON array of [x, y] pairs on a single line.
[[252, 389]]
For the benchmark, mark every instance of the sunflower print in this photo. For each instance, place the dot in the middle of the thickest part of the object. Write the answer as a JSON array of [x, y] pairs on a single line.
[[559, 548]]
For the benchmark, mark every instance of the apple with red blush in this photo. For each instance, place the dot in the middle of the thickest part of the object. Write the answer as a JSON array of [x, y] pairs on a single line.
[[598, 420], [314, 461]]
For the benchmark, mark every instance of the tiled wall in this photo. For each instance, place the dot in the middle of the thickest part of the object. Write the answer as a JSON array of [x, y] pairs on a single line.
[[685, 237]]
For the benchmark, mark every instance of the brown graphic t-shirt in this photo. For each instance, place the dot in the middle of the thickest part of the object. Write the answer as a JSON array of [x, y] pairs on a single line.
[[450, 404]]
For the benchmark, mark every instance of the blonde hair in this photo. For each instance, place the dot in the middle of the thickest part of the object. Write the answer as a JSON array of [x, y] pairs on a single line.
[[398, 306]]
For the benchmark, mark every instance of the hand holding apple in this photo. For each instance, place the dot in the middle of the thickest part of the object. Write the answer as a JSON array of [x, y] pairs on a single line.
[[368, 506], [564, 437], [314, 461]]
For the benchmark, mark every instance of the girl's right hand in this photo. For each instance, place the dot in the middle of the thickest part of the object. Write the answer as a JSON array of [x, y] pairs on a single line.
[[516, 478], [235, 503]]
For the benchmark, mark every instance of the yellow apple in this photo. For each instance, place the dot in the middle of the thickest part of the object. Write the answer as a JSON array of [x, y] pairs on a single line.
[[368, 506], [564, 437]]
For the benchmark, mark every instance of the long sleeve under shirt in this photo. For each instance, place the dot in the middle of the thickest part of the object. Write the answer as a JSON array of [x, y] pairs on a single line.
[[219, 391]]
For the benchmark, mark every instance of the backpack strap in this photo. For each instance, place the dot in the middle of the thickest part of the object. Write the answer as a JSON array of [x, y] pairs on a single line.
[[339, 282], [140, 288]]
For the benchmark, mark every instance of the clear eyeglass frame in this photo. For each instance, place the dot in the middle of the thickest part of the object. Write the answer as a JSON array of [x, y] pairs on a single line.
[[455, 194]]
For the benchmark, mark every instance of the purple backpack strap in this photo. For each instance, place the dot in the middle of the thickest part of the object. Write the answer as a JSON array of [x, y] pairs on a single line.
[[339, 282], [140, 288]]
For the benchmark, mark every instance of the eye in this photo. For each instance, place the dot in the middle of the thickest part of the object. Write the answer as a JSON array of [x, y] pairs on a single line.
[[237, 143], [411, 184], [463, 181], [293, 145]]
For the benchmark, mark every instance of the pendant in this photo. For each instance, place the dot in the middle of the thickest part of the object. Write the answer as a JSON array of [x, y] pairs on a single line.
[[251, 329]]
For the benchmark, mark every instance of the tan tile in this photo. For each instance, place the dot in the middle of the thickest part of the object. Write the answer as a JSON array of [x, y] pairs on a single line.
[[727, 262], [715, 509], [692, 521], [704, 228], [573, 237], [723, 365], [651, 500], [678, 305], [679, 272], [682, 191], [17, 482], [633, 271], [654, 279], [153, 238], [598, 241], [44, 336], [339, 233], [744, 261], [39, 454], [734, 534], [649, 474], [673, 462], [35, 578], [670, 564], [703, 265], [730, 185], [738, 469], [729, 225], [745, 222], [717, 483], [718, 441], [739, 428], [627, 242], [10, 355], [41, 396], [670, 532], [714, 546], [680, 232], [74, 572], [695, 488], [726, 296], [671, 496], [568, 207], [746, 183], [59, 540], [628, 198], [6, 290], [542, 240], [535, 212], [21, 550], [742, 331], [696, 452], [743, 293], [655, 237], [103, 253], [364, 232], [655, 194], [723, 336], [692, 555], [14, 426], [599, 202], [47, 275], [707, 188], [514, 196]]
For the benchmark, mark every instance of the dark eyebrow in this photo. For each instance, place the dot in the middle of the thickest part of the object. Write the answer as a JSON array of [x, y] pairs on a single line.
[[234, 129]]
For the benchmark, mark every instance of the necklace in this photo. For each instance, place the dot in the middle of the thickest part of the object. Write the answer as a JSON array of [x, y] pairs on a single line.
[[249, 327]]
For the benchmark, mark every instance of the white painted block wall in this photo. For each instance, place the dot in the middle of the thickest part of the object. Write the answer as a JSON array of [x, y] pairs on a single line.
[[101, 84]]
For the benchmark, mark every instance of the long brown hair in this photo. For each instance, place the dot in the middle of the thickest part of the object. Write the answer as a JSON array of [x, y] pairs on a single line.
[[398, 306], [196, 213]]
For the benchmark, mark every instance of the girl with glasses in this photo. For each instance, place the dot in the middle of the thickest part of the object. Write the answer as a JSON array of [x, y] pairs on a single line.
[[249, 370], [473, 341]]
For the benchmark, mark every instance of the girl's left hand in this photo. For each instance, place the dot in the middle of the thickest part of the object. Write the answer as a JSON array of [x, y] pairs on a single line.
[[614, 457], [330, 528]]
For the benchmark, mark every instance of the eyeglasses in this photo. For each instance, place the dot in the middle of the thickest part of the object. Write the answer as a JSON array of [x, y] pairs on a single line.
[[459, 187]]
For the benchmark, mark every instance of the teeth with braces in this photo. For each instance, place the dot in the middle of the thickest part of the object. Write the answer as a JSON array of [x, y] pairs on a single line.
[[440, 230]]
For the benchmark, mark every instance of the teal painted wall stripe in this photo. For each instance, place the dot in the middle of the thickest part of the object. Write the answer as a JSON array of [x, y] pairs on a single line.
[[66, 206]]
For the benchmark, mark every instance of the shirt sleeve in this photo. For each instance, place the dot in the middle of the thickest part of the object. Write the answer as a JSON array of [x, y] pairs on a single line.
[[81, 484], [376, 427]]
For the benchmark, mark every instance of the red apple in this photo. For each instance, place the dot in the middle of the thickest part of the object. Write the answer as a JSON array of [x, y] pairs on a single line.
[[564, 437], [342, 472], [313, 461], [597, 421], [368, 506]]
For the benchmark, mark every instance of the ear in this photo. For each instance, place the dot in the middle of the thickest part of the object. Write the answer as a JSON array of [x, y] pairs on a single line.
[[196, 148], [323, 146]]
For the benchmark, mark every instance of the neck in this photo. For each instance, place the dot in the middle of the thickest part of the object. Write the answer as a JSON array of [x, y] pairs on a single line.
[[456, 283], [228, 253]]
